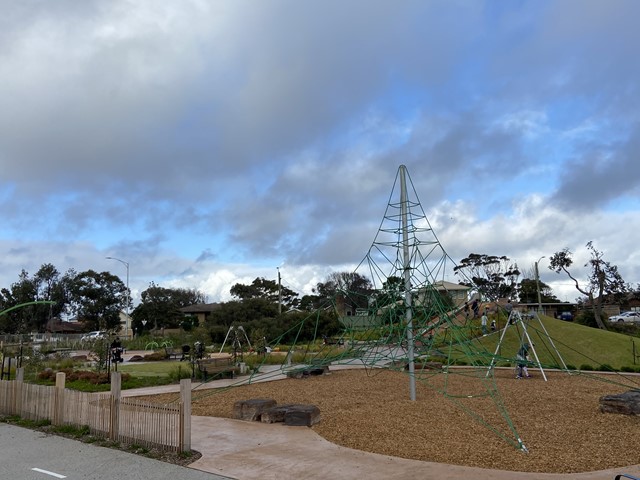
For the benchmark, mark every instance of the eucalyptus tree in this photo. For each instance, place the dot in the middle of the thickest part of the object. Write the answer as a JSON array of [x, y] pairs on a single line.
[[268, 290], [492, 276], [603, 279], [160, 306], [353, 288], [46, 296], [97, 298]]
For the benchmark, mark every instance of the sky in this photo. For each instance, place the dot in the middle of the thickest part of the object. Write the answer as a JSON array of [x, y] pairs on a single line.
[[207, 143]]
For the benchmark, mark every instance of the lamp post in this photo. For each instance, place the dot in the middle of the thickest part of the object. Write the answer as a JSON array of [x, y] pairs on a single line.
[[127, 320], [538, 285]]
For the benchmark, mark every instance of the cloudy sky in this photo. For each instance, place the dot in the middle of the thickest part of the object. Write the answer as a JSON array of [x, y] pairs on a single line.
[[211, 142]]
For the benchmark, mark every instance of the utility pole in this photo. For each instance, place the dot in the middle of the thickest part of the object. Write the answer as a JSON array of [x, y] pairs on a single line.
[[128, 319], [538, 285], [279, 293]]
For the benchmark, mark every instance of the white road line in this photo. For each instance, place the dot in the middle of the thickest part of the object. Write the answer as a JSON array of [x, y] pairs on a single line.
[[53, 474]]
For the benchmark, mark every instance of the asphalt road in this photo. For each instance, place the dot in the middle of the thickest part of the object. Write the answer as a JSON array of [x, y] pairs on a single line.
[[30, 455]]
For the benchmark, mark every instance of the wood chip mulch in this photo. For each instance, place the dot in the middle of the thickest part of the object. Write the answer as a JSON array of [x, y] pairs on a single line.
[[559, 421]]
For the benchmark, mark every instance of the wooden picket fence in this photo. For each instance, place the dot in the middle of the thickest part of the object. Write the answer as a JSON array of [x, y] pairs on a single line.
[[108, 415]]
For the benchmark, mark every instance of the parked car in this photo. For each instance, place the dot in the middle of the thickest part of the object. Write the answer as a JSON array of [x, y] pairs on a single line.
[[566, 316], [626, 317], [92, 336]]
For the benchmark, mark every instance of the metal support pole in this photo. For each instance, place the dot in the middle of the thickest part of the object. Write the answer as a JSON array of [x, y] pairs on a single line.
[[407, 284]]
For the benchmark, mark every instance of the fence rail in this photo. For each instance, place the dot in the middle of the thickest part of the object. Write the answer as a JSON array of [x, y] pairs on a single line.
[[108, 415]]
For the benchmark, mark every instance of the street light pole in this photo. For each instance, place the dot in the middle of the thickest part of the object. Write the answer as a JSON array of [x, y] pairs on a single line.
[[127, 320], [279, 293], [538, 285]]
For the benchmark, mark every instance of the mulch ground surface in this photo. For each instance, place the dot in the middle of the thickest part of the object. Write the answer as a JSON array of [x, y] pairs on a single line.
[[559, 421]]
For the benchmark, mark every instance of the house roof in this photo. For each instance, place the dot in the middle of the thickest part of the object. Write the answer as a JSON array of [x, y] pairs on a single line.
[[444, 285], [55, 325]]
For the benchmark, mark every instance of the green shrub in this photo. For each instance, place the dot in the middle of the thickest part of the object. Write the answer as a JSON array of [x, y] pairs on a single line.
[[605, 367], [627, 369], [72, 430], [586, 367], [180, 372], [76, 378], [570, 367], [587, 318], [156, 356]]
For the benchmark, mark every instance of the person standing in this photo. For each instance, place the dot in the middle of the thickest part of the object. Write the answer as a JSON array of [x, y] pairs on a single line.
[[475, 307], [116, 350], [508, 308], [522, 358], [483, 323]]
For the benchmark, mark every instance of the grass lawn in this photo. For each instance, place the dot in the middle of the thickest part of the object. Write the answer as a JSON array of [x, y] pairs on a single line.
[[155, 369], [579, 345]]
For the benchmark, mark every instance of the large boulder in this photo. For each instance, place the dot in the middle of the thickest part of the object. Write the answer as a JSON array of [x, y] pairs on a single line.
[[275, 414], [627, 403], [252, 409], [308, 372], [298, 415], [302, 416]]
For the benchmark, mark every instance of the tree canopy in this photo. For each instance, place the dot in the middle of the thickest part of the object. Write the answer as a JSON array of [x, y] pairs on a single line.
[[528, 291], [92, 297], [98, 298], [603, 278], [160, 307], [268, 290], [492, 276], [353, 288]]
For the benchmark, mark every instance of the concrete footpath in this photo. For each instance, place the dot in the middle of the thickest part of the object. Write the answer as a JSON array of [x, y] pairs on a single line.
[[252, 451], [255, 451]]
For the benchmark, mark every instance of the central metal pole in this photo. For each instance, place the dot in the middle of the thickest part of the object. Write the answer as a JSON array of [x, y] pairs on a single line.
[[407, 283]]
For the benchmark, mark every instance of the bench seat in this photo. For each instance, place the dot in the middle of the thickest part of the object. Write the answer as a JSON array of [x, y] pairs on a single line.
[[217, 367]]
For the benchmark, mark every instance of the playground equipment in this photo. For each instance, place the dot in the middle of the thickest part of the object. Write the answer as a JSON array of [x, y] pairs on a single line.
[[238, 338], [410, 319], [521, 323]]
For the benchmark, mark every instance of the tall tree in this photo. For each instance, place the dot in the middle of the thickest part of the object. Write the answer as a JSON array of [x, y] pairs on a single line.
[[24, 319], [45, 285], [528, 292], [97, 299], [50, 286], [494, 277], [604, 278], [160, 306], [267, 289], [352, 288]]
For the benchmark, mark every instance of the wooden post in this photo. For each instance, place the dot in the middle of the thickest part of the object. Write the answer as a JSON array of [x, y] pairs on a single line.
[[185, 417], [114, 421], [16, 407], [58, 399]]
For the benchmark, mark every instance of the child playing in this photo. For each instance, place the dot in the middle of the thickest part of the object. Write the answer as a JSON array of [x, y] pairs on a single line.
[[522, 357]]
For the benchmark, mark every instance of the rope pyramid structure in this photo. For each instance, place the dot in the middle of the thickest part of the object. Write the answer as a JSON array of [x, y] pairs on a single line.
[[411, 324], [408, 323]]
